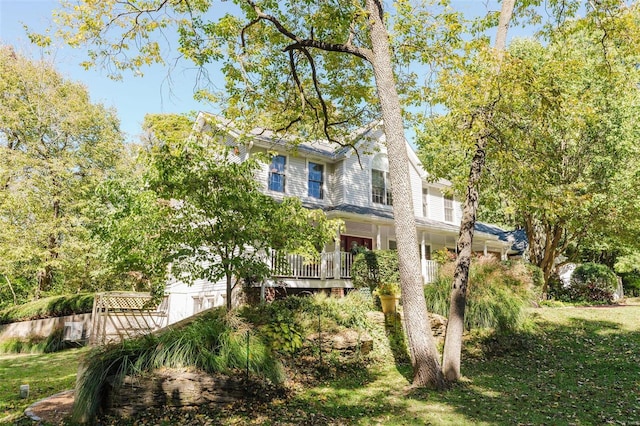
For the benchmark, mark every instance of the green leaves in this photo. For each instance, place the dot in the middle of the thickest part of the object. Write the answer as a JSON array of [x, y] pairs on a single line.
[[56, 147]]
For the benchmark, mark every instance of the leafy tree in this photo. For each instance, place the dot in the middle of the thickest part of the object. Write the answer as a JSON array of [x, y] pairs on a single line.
[[55, 147], [520, 120]]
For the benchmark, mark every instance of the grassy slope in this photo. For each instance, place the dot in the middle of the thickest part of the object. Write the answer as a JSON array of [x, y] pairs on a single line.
[[582, 367], [46, 374]]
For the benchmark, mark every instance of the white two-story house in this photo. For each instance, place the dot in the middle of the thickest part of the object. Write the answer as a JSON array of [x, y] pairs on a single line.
[[347, 185]]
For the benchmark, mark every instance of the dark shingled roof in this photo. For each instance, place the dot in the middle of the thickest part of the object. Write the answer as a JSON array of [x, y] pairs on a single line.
[[516, 237]]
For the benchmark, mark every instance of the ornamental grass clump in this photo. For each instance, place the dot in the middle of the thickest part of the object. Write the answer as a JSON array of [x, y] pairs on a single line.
[[215, 342], [497, 295]]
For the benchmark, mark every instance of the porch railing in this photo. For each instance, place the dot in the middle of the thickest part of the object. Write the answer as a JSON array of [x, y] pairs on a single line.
[[331, 265], [429, 270], [328, 266]]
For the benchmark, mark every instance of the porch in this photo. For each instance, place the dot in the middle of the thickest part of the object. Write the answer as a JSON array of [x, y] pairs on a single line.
[[331, 266]]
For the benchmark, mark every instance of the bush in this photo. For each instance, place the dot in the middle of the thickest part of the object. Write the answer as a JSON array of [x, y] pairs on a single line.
[[593, 282], [631, 284], [55, 306], [370, 268], [497, 294]]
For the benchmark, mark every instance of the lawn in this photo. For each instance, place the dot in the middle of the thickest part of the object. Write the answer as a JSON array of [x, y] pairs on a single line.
[[46, 374], [580, 366]]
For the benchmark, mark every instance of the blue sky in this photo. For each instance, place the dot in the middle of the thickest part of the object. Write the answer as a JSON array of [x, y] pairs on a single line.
[[133, 97]]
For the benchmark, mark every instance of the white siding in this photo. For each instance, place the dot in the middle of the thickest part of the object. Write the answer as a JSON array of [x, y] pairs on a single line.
[[436, 204], [416, 191], [357, 181], [338, 184], [296, 177]]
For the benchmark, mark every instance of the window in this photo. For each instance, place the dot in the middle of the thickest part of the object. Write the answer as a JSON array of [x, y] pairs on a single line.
[[425, 202], [276, 173], [316, 180], [393, 245], [448, 208], [380, 187]]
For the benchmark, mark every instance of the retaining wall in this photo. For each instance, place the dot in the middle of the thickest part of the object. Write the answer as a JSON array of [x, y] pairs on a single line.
[[42, 327]]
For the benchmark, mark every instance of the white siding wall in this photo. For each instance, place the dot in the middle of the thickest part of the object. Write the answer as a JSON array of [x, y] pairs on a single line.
[[296, 173], [457, 211], [338, 184], [436, 204], [416, 191], [357, 181]]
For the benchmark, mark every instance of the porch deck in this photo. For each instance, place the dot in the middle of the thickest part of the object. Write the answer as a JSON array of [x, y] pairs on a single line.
[[331, 266]]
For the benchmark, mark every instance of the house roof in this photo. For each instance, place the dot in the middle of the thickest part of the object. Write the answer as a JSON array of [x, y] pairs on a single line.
[[486, 230], [516, 237]]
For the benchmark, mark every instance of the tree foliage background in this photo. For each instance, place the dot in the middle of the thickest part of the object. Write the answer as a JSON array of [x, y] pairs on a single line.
[[56, 147]]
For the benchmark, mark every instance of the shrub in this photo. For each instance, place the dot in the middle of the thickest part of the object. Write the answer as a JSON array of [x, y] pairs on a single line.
[[55, 306], [370, 268], [497, 294], [593, 282], [631, 284]]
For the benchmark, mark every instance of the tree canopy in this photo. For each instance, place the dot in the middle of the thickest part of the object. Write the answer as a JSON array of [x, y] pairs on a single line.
[[56, 146], [561, 164]]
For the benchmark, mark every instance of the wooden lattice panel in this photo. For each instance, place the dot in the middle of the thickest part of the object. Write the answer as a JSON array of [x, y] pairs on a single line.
[[123, 301], [118, 315]]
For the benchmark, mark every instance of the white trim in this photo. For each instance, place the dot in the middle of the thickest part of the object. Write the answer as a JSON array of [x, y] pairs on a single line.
[[287, 164], [324, 179]]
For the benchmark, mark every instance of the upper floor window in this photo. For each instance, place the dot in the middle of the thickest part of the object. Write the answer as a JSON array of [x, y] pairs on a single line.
[[380, 183], [448, 208], [425, 202], [277, 173], [316, 180], [381, 187]]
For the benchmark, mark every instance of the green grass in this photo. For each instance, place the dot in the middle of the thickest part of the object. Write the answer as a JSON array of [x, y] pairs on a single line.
[[54, 306], [46, 375], [578, 366]]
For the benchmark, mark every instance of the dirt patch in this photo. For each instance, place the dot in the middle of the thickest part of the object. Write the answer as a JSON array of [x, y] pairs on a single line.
[[52, 410]]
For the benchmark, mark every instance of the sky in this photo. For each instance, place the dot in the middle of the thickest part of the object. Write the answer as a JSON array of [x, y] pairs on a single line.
[[132, 97]]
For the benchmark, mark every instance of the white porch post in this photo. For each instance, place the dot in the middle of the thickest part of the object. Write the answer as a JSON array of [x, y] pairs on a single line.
[[485, 248], [336, 258], [323, 265], [423, 257], [376, 231]]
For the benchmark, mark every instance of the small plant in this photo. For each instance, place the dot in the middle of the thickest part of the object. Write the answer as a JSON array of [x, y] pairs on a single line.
[[387, 289], [443, 256], [283, 333]]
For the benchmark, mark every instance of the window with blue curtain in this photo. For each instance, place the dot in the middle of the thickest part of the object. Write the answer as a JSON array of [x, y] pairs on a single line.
[[277, 173], [316, 180]]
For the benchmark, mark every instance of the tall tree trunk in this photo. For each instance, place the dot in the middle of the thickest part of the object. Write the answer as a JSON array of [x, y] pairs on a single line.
[[424, 354], [458, 298], [452, 352]]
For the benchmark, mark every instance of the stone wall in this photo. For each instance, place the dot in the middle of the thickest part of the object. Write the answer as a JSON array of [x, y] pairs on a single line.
[[175, 388]]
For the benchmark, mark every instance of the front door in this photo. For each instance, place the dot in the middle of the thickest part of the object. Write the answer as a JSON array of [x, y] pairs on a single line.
[[349, 243]]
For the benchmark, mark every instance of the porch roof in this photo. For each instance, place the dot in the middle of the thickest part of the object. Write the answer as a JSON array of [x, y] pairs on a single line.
[[486, 231]]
